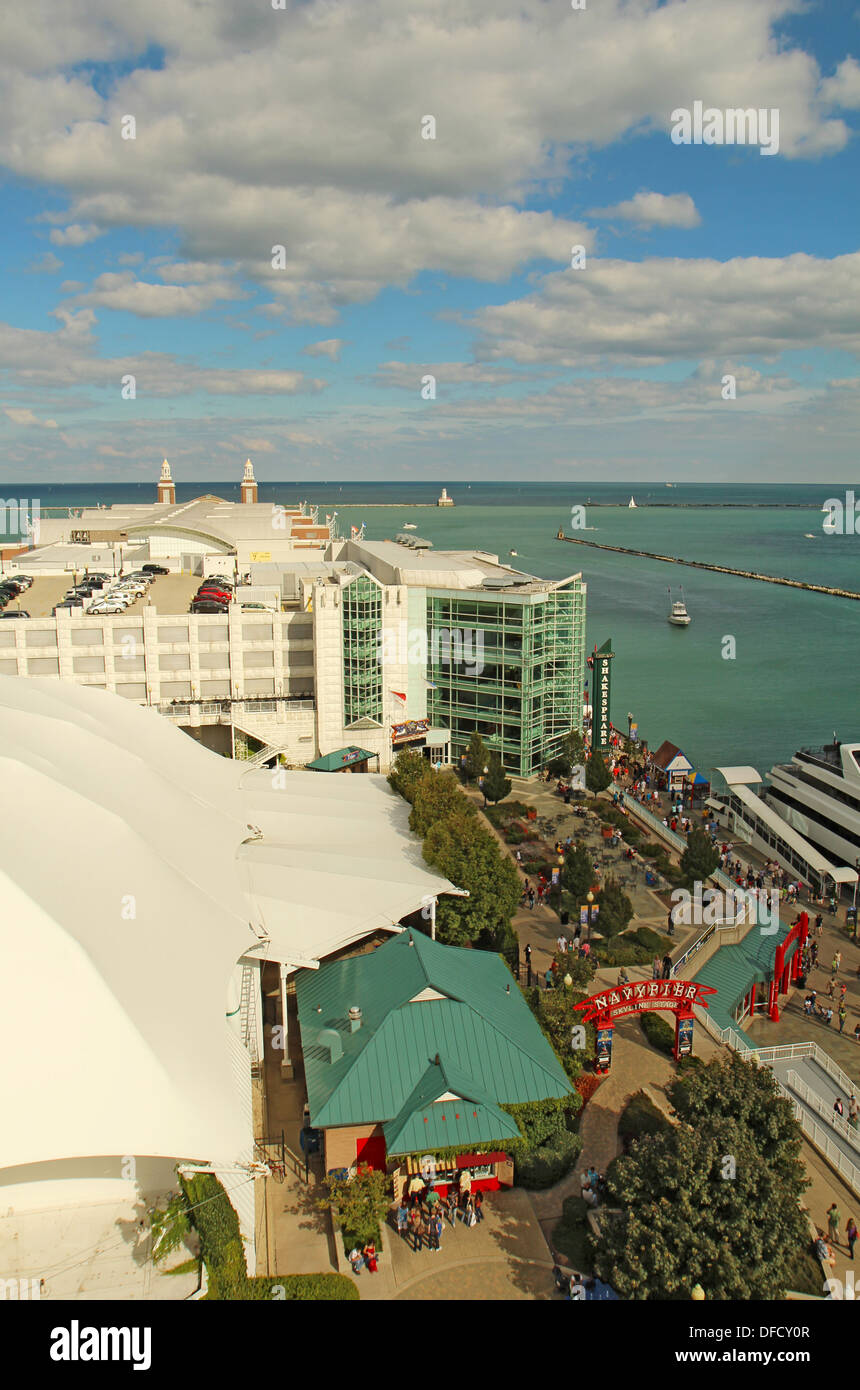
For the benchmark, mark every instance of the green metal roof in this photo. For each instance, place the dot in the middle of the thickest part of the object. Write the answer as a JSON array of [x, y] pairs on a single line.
[[732, 970], [494, 1050], [342, 757], [425, 1121]]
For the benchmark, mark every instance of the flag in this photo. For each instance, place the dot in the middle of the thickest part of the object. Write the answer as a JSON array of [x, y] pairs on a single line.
[[399, 696], [431, 685]]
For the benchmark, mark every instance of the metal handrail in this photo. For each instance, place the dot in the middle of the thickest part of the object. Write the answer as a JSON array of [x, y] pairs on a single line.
[[815, 1102]]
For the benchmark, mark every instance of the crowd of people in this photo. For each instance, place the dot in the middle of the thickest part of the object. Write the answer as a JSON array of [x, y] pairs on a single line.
[[420, 1218]]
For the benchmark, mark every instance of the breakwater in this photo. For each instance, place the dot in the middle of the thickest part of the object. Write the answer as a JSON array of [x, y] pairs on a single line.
[[716, 569]]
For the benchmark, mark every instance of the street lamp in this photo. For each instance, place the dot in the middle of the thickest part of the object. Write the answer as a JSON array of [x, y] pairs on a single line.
[[589, 898]]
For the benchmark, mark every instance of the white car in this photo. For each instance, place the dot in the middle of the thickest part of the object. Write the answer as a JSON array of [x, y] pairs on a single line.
[[136, 589], [107, 605]]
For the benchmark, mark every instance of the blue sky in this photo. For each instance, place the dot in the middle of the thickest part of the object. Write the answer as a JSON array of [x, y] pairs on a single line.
[[403, 257]]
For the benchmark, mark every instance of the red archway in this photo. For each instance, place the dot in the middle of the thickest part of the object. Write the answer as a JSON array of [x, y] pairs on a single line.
[[639, 996]]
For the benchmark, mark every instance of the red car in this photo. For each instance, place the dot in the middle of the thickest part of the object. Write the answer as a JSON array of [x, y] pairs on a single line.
[[219, 595]]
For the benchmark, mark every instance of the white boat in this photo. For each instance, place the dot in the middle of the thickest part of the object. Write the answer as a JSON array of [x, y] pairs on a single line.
[[632, 502], [409, 526], [512, 552], [808, 535], [678, 615]]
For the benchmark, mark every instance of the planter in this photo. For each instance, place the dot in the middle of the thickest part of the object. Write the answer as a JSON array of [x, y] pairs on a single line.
[[607, 832]]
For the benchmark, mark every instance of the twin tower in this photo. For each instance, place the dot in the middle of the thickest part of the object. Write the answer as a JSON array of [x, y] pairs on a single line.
[[167, 487]]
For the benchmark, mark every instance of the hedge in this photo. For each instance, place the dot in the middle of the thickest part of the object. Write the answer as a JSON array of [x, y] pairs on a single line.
[[571, 1236], [214, 1218], [546, 1166], [652, 941], [659, 1033]]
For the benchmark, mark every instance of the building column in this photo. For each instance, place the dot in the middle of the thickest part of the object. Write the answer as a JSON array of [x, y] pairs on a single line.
[[286, 1064]]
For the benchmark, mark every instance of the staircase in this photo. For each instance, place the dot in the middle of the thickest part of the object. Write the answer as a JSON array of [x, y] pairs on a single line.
[[248, 1015]]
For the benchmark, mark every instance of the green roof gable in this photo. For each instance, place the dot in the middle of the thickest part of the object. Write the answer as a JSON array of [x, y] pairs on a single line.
[[428, 1122], [494, 1050]]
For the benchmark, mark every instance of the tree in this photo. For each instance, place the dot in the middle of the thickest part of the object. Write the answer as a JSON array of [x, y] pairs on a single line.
[[436, 797], [577, 875], [616, 909], [476, 758], [360, 1204], [169, 1227], [749, 1094], [460, 848], [716, 1201], [496, 785], [410, 769], [699, 1207], [597, 776], [553, 1009], [700, 858], [573, 749]]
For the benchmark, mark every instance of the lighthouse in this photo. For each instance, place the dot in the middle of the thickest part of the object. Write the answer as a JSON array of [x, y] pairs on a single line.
[[166, 485], [249, 483]]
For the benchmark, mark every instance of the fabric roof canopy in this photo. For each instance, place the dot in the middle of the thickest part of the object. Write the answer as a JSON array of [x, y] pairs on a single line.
[[131, 882], [341, 758]]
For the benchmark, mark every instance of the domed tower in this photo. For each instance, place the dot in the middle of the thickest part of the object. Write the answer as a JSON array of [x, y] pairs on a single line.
[[166, 485], [249, 483]]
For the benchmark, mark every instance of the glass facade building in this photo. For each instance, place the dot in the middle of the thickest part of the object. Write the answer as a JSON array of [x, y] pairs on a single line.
[[510, 667], [362, 670]]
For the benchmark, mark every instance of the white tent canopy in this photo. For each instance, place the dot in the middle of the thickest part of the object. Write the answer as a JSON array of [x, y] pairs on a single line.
[[128, 896]]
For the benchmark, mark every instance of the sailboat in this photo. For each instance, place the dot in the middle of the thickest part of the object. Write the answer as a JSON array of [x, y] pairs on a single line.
[[632, 502], [678, 615]]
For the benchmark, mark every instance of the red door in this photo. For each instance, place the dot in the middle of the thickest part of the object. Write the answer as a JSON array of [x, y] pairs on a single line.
[[371, 1151]]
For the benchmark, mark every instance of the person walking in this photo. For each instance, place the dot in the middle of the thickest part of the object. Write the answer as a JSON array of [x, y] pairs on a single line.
[[469, 1217], [655, 968], [843, 1014], [833, 1223], [403, 1218], [479, 1206], [451, 1204], [436, 1231], [531, 898], [667, 967], [527, 953], [838, 1107], [850, 1236], [852, 1111], [819, 923], [416, 1226]]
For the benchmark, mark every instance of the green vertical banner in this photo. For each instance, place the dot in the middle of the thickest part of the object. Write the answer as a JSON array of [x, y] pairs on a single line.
[[600, 697]]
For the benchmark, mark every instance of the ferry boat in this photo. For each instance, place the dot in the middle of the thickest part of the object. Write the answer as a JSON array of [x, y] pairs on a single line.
[[818, 795], [678, 615]]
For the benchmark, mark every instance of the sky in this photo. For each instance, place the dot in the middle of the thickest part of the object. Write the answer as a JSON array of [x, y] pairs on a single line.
[[338, 235]]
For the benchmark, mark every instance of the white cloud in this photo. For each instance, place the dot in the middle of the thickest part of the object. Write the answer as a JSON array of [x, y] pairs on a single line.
[[843, 89], [654, 210], [67, 358], [262, 128], [122, 290], [27, 417], [47, 264], [328, 347], [75, 235], [658, 311]]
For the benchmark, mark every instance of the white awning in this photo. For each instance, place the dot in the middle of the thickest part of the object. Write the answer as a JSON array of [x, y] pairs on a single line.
[[735, 776]]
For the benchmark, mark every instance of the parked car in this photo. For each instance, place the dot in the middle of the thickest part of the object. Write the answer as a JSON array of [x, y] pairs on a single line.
[[259, 607], [10, 586], [154, 569], [206, 605], [131, 587], [220, 594], [25, 580], [108, 605], [67, 604], [19, 613]]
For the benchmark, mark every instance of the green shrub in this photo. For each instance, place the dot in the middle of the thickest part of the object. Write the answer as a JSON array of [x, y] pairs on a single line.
[[622, 951], [317, 1288], [641, 1116], [659, 1033], [652, 941], [649, 850], [547, 1165]]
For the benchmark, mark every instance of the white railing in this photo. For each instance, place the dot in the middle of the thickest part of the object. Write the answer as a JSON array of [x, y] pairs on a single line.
[[822, 1140], [838, 1125]]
